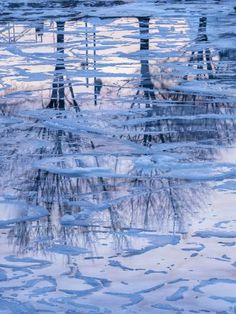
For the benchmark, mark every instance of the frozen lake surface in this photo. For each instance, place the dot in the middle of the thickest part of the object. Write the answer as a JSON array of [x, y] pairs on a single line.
[[118, 156]]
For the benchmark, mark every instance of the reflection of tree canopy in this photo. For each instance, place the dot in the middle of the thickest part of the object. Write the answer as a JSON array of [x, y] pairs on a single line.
[[168, 116], [144, 202]]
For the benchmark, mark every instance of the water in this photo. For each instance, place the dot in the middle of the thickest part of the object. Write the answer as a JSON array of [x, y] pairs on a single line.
[[118, 173]]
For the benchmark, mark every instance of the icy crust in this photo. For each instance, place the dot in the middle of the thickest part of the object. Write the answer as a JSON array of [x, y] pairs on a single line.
[[108, 8], [50, 9], [153, 272], [124, 175], [48, 165], [123, 271], [13, 211], [158, 166]]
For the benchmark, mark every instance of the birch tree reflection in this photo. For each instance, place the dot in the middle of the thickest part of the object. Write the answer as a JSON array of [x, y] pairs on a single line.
[[201, 58], [58, 96], [166, 110], [146, 81]]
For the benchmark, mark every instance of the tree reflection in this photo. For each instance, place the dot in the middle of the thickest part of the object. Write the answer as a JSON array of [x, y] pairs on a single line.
[[143, 199], [147, 202], [173, 115], [58, 87], [202, 57], [146, 81]]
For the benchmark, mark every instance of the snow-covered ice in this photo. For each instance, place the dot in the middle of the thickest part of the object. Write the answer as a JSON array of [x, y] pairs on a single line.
[[117, 156]]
